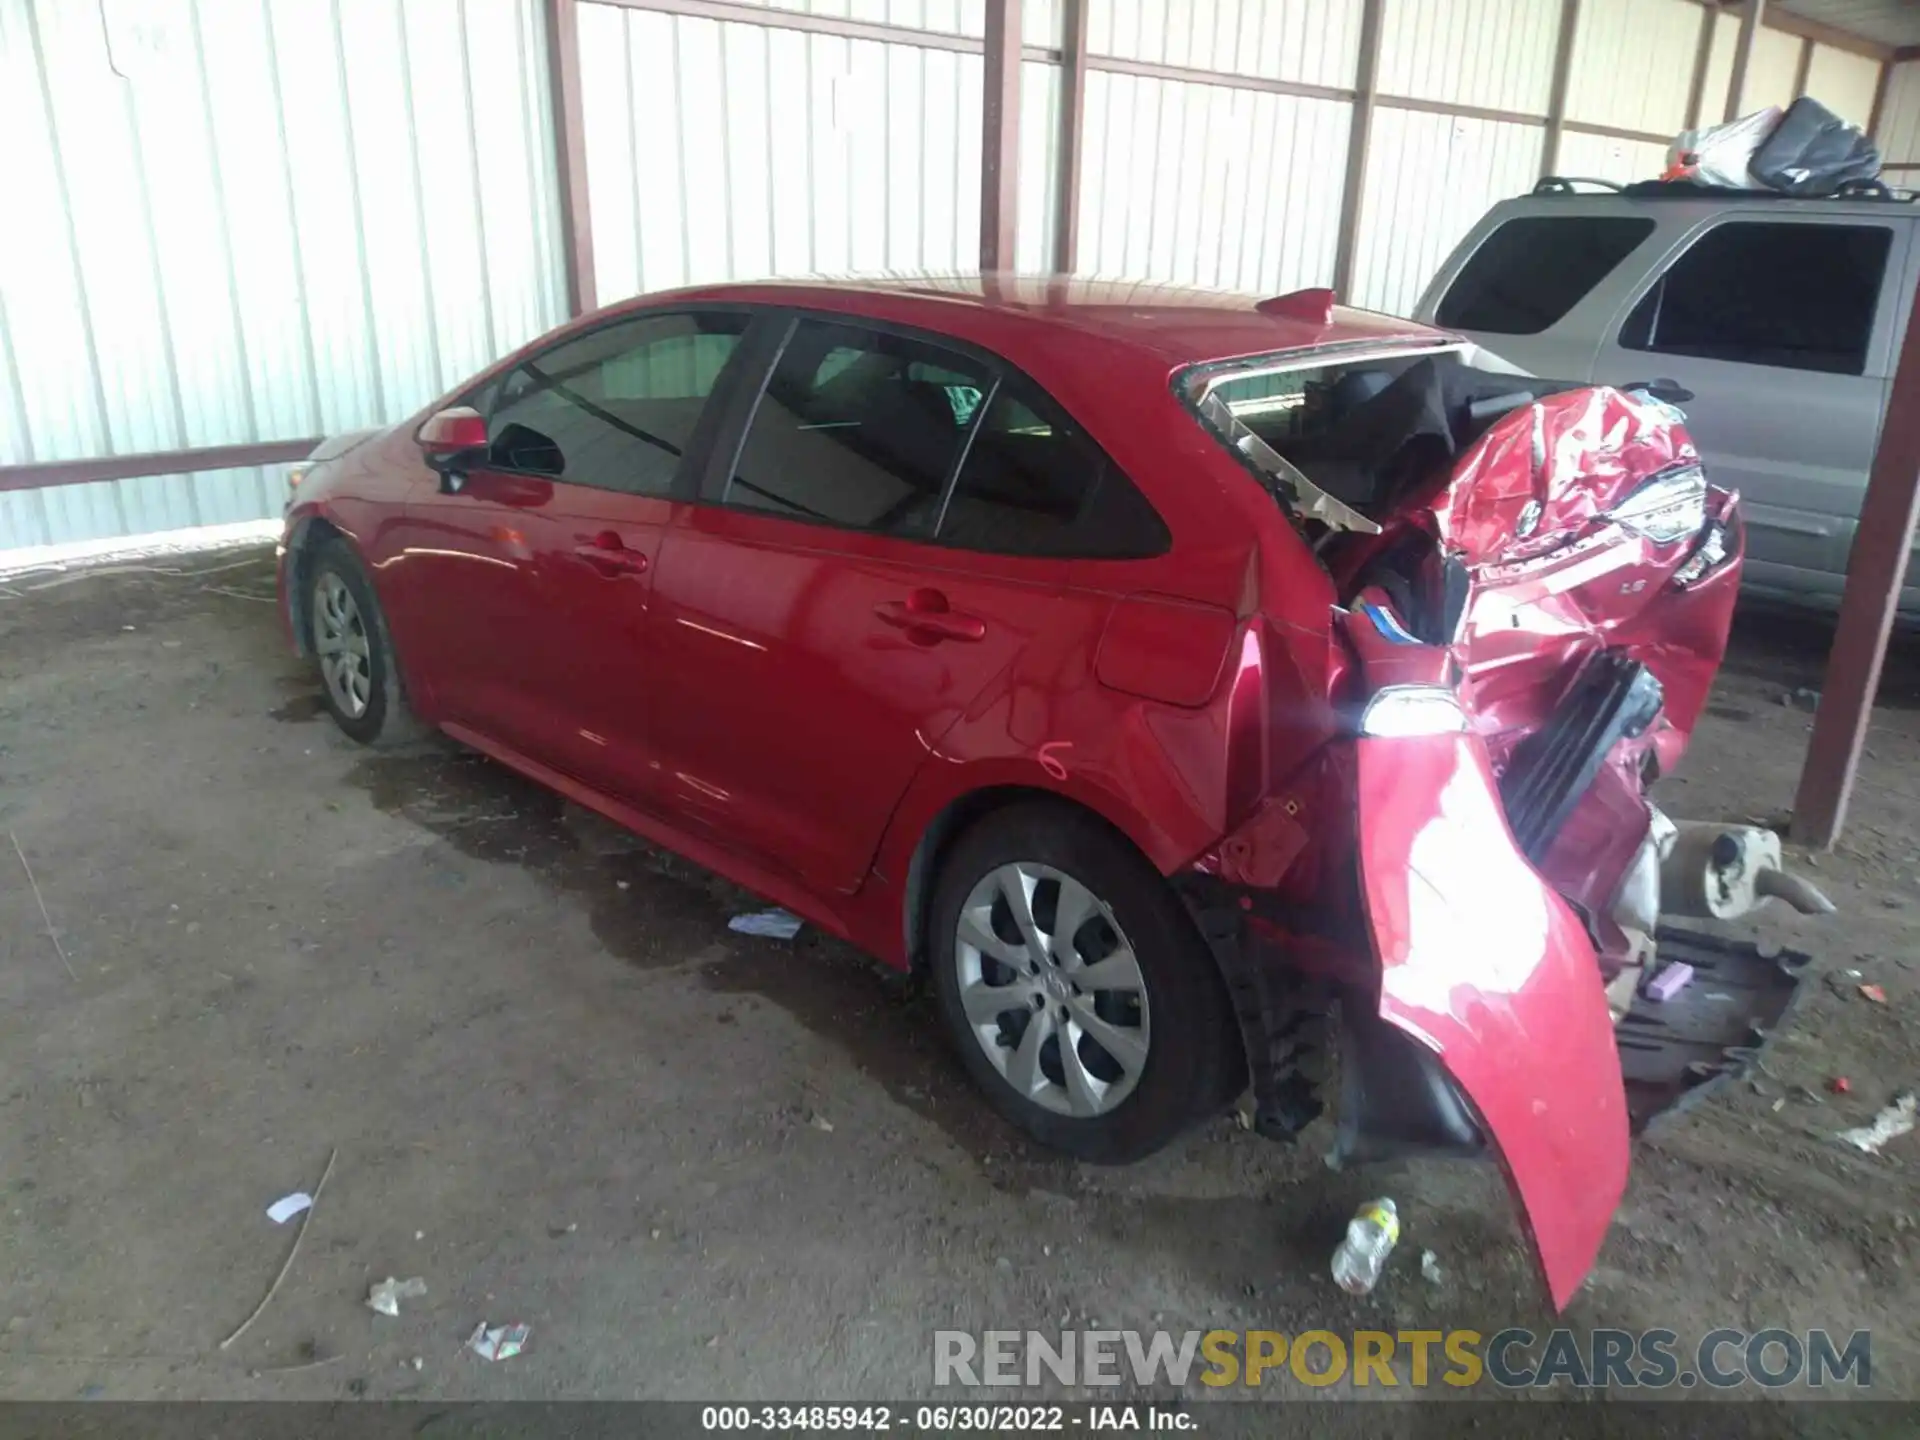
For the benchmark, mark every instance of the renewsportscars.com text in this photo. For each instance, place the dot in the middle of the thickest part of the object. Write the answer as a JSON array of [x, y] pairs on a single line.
[[1512, 1359]]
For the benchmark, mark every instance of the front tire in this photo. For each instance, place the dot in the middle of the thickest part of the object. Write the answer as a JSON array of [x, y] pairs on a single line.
[[1080, 997], [353, 650]]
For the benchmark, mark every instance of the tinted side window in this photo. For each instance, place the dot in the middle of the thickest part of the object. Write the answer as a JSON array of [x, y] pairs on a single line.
[[1035, 484], [1530, 272], [1800, 297], [616, 408], [857, 429]]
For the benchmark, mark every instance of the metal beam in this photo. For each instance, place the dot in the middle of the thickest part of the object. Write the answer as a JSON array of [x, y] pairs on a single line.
[[1359, 140], [1750, 17], [1073, 112], [153, 462], [1702, 63], [1562, 78], [1000, 137], [570, 153], [1876, 567]]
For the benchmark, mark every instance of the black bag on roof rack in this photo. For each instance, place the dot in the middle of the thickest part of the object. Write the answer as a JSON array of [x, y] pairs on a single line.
[[1812, 151]]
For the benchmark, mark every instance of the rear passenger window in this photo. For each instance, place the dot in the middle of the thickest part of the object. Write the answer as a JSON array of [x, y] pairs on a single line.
[[858, 429], [1795, 296], [1035, 484], [614, 408], [1530, 272]]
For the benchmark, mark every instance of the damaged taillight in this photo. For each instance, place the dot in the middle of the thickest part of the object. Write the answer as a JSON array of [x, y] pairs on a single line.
[[1670, 506], [1712, 550], [1401, 711]]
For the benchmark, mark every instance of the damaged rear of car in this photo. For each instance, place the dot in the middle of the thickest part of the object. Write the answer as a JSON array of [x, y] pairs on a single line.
[[1468, 882]]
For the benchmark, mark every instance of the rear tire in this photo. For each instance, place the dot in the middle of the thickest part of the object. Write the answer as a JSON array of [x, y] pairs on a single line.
[[1102, 1027], [353, 651]]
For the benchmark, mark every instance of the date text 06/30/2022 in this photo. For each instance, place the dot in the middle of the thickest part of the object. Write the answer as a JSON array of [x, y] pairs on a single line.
[[944, 1419]]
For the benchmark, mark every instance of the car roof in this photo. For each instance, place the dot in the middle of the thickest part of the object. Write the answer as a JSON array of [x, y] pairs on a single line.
[[1692, 204], [1174, 324]]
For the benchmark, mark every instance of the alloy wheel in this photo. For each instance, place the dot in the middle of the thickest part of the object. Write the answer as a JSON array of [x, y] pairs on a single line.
[[1051, 989], [340, 641]]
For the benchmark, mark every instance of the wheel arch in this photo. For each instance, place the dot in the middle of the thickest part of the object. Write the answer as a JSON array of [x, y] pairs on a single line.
[[304, 540], [968, 806]]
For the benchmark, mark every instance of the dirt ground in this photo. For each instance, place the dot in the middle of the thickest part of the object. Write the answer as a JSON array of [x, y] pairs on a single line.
[[702, 1165]]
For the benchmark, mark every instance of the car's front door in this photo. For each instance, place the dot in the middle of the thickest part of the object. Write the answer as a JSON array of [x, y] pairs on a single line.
[[865, 566], [1782, 327], [567, 508]]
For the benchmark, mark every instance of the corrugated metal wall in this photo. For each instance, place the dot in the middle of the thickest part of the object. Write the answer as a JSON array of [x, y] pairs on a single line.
[[1726, 42], [1429, 178], [1607, 157], [1772, 71], [1495, 54], [1210, 184], [1308, 42], [1633, 63], [1844, 82], [285, 217], [231, 222], [718, 151], [1899, 130], [1039, 19]]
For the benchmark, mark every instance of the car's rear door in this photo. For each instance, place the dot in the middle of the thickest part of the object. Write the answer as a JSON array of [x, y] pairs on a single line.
[[893, 537], [1782, 325], [548, 642]]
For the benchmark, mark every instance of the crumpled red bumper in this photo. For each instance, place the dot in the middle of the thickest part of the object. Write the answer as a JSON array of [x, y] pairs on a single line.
[[1491, 971]]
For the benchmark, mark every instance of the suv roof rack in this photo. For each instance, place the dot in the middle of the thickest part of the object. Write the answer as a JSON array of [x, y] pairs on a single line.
[[1691, 190], [1563, 184]]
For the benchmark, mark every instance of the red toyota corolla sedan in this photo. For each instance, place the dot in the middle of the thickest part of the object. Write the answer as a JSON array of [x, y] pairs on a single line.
[[1171, 675]]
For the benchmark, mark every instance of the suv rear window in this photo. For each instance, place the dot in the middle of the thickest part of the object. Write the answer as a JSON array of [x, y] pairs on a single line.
[[1530, 272]]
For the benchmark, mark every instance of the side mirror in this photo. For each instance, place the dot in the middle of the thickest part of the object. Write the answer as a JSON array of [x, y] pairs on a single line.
[[448, 434]]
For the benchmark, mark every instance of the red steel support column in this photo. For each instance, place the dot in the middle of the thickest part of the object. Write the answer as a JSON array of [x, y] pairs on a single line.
[[1359, 140], [1750, 18], [1557, 95], [1073, 110], [1000, 136], [1875, 569], [570, 152]]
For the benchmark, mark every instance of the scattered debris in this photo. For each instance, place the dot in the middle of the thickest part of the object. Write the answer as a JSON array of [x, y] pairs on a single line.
[[418, 1363], [292, 1250], [775, 924], [1840, 1085], [296, 1369], [820, 1122], [1801, 697], [1671, 980], [560, 1232], [502, 1342], [288, 1206], [1874, 993], [1896, 1120], [1779, 1104], [385, 1298], [1370, 1240], [1430, 1268], [45, 918], [1808, 1094]]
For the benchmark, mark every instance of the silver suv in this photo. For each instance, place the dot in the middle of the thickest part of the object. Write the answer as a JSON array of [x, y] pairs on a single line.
[[1783, 317]]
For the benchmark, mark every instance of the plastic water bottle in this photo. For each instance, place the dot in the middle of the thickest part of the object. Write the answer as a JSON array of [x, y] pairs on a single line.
[[1371, 1235]]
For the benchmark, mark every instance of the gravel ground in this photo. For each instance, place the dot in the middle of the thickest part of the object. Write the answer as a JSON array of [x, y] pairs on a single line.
[[699, 1164]]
